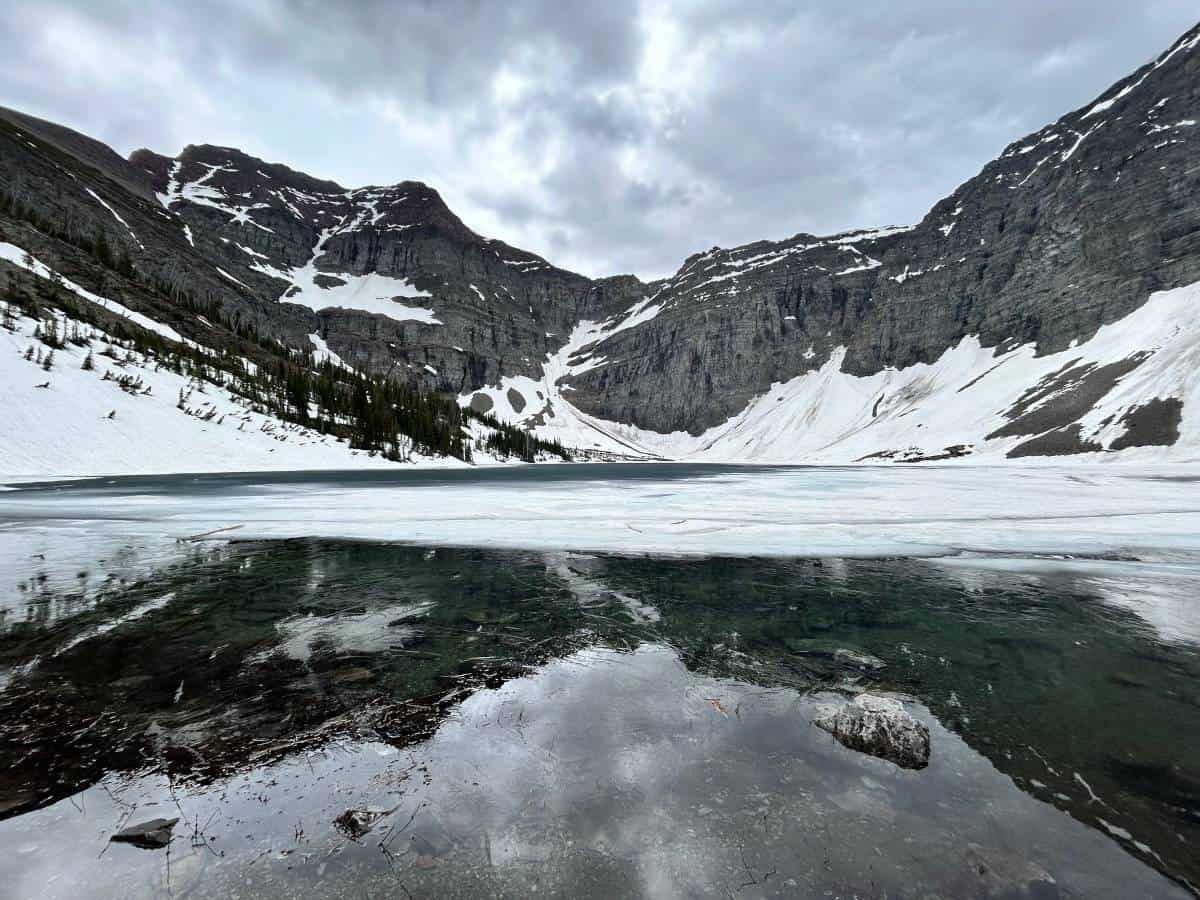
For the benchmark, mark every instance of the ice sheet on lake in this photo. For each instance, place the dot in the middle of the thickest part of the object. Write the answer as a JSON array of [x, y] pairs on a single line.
[[997, 517], [362, 633], [1164, 595], [1151, 513]]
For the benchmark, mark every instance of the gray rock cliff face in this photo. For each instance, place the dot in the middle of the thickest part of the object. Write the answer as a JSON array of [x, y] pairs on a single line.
[[60, 191], [500, 310], [1069, 229]]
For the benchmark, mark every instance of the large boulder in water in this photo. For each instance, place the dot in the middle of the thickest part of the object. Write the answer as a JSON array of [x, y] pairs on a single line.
[[151, 835], [882, 727]]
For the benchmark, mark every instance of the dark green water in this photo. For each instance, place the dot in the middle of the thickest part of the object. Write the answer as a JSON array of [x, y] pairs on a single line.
[[207, 484], [512, 724]]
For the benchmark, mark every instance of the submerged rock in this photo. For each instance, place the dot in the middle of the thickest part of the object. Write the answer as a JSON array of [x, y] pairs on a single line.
[[824, 652], [857, 660], [357, 823], [151, 835], [880, 726]]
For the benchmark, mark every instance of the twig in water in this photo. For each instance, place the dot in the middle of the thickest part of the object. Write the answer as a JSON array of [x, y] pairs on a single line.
[[204, 534], [387, 837]]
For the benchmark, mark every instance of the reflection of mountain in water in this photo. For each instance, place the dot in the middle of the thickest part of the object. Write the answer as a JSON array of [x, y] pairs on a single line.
[[263, 650]]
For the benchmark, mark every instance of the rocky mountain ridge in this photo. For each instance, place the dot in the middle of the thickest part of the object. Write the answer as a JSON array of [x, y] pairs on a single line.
[[1069, 230], [356, 256]]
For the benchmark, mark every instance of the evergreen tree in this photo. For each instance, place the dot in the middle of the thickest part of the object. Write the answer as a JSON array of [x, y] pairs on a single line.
[[102, 249]]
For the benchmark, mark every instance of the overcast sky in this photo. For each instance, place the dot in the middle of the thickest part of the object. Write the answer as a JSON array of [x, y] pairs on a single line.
[[611, 136]]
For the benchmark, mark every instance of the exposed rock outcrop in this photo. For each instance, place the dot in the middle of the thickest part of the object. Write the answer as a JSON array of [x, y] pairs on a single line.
[[880, 726]]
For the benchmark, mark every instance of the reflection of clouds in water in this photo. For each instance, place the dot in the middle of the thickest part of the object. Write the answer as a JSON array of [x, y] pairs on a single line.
[[63, 567], [576, 737], [625, 755], [1169, 601], [976, 574], [570, 568], [836, 569], [1166, 596], [376, 631], [318, 572], [611, 772]]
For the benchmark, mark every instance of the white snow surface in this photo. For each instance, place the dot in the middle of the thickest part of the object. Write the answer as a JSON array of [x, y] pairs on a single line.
[[373, 293], [229, 277], [63, 429], [116, 215], [829, 416], [543, 397], [321, 352]]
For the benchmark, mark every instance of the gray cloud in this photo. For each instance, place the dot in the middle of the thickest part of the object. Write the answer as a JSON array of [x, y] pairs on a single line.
[[616, 136]]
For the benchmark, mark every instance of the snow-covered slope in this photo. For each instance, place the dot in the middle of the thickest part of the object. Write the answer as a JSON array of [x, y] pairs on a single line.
[[1132, 392], [71, 421], [541, 405], [95, 405]]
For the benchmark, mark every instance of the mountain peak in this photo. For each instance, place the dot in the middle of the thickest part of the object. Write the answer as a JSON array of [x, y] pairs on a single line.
[[1071, 229]]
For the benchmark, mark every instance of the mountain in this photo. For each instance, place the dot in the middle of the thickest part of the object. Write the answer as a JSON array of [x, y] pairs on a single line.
[[469, 308], [1045, 308], [110, 297], [876, 343]]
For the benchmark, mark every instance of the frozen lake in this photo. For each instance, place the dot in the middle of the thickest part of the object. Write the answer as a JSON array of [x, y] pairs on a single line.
[[601, 681], [668, 508]]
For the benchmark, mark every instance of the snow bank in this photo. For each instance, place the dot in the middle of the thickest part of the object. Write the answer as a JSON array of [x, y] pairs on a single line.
[[322, 353], [829, 416], [81, 424]]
